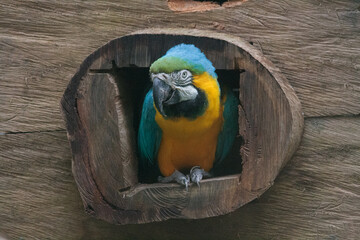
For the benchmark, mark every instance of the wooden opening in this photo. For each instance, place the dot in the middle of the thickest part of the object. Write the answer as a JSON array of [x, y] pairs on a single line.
[[102, 107], [132, 83], [183, 6]]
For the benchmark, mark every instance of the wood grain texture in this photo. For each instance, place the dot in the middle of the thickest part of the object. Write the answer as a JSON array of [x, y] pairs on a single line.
[[185, 6], [38, 196], [99, 107], [315, 44], [316, 196]]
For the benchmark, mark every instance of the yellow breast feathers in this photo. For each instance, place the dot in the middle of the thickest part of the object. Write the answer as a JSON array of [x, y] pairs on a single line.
[[186, 143]]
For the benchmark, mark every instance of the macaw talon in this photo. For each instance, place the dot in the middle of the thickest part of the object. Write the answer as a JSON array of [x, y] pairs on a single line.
[[197, 173], [184, 180], [176, 177]]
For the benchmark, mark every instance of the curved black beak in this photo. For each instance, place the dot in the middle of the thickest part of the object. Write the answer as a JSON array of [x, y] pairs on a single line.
[[161, 93]]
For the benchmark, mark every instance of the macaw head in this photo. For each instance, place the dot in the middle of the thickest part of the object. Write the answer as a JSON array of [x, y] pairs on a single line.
[[173, 75]]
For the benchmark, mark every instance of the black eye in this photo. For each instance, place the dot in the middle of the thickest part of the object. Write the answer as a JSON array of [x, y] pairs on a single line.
[[184, 74]]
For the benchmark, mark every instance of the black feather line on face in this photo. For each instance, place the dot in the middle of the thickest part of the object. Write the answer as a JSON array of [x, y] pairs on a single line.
[[190, 109]]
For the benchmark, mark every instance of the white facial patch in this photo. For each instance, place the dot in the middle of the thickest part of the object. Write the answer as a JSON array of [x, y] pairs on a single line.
[[188, 92], [180, 81]]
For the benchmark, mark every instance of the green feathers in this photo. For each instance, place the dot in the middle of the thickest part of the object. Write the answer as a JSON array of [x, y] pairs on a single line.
[[183, 56], [172, 64]]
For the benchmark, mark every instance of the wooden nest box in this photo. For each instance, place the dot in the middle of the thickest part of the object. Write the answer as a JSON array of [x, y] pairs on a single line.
[[102, 106]]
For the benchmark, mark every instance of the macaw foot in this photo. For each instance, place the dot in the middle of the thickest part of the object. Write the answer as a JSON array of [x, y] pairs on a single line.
[[196, 174], [176, 177]]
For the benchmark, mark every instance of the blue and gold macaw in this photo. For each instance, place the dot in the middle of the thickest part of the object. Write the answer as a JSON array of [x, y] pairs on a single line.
[[187, 122]]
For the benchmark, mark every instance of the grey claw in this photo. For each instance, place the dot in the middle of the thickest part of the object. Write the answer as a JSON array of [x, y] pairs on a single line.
[[176, 177], [184, 180], [197, 174]]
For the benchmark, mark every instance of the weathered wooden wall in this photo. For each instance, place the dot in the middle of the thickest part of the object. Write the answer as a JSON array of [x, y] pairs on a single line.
[[315, 43]]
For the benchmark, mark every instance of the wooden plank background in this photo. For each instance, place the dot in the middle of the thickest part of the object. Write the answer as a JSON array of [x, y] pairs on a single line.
[[315, 43]]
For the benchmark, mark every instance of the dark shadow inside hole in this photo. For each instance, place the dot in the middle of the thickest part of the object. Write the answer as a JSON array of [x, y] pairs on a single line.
[[220, 2], [89, 209], [137, 83]]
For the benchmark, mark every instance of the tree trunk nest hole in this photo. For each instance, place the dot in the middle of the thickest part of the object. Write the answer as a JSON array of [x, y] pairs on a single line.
[[102, 106]]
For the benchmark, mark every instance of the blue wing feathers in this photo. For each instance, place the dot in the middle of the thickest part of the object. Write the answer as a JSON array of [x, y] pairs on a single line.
[[149, 135], [230, 128]]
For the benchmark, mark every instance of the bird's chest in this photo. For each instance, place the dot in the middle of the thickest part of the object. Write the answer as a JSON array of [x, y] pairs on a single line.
[[187, 143]]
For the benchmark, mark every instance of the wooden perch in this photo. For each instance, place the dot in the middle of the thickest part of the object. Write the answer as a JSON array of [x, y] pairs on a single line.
[[101, 107]]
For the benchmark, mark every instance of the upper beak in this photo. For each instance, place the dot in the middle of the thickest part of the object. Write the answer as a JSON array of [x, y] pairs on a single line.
[[161, 93]]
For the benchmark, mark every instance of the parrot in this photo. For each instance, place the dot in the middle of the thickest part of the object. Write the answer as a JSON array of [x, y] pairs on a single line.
[[188, 122]]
